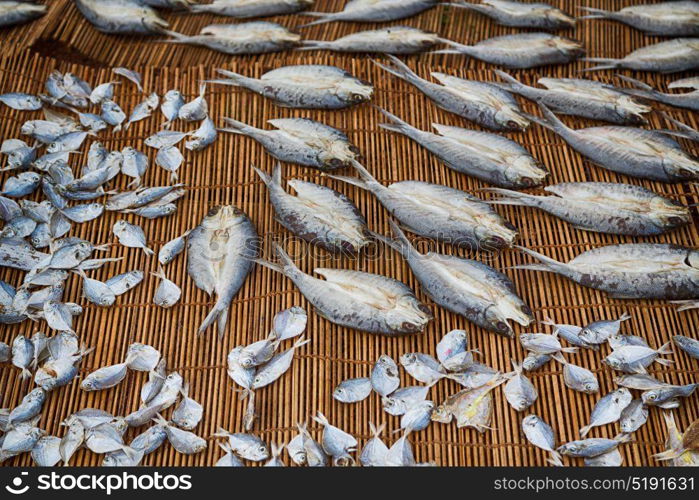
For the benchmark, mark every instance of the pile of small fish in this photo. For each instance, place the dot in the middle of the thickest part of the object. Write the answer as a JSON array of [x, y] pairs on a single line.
[[256, 365]]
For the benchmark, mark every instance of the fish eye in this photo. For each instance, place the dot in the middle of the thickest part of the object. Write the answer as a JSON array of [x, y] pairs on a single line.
[[501, 325], [652, 396], [513, 124]]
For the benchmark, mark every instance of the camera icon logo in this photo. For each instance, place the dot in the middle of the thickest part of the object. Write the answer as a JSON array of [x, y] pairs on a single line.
[[16, 487]]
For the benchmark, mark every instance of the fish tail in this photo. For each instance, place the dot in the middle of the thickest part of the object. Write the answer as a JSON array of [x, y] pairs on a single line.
[[376, 431], [554, 123], [559, 357], [314, 45], [300, 342], [178, 37], [666, 348], [555, 459], [218, 310], [236, 127], [160, 420], [221, 432], [636, 83], [607, 63], [594, 13], [26, 374], [232, 78], [623, 438], [399, 69], [684, 304], [321, 419], [545, 263], [363, 173], [570, 350], [508, 78], [148, 251], [509, 197], [222, 322], [397, 125], [266, 178], [324, 17], [668, 454], [585, 430]]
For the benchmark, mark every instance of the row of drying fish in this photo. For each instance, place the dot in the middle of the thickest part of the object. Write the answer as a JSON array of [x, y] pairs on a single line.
[[666, 18], [257, 365]]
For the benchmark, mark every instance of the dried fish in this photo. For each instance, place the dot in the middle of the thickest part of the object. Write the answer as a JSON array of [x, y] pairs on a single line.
[[204, 136], [439, 212], [422, 367], [470, 407], [604, 207], [385, 378], [229, 459], [258, 8], [639, 381], [489, 157], [635, 358], [660, 19], [131, 75], [451, 344], [168, 293], [156, 381], [519, 391], [470, 288], [355, 299], [170, 106], [667, 396], [599, 332], [188, 413], [289, 323], [46, 451], [391, 40], [353, 390], [170, 159], [277, 366], [375, 450], [688, 345], [317, 214], [142, 358], [111, 113], [183, 441], [19, 12], [522, 15], [417, 417], [687, 100], [106, 377], [28, 408], [608, 409], [578, 378], [541, 435], [302, 141], [19, 100], [165, 139], [247, 446], [671, 56], [143, 109], [398, 402], [131, 236], [23, 355], [121, 16], [124, 282], [633, 416], [593, 447], [256, 37], [521, 51], [631, 151], [221, 250], [480, 102], [373, 11], [674, 445], [543, 343], [610, 459], [642, 270], [172, 249], [336, 442], [305, 86]]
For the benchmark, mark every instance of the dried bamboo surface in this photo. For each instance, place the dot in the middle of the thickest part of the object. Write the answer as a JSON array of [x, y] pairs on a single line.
[[222, 174]]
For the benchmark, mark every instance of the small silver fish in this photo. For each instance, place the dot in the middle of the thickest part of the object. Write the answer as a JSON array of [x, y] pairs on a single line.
[[519, 391], [202, 137], [46, 451], [660, 19], [305, 86], [168, 293], [640, 382], [353, 390], [134, 164], [142, 357], [422, 367], [247, 446], [149, 440], [112, 114], [385, 378], [667, 395], [688, 345], [541, 435], [599, 332], [188, 413], [452, 343], [23, 355], [131, 75], [373, 11], [102, 92], [336, 442], [277, 366], [155, 383], [164, 139], [170, 106], [400, 400], [28, 408], [21, 101], [172, 249], [143, 109], [170, 158], [593, 447], [97, 292], [289, 323], [636, 358], [578, 378], [608, 409], [633, 416], [374, 452], [197, 109], [610, 459], [258, 8], [122, 283], [131, 236]]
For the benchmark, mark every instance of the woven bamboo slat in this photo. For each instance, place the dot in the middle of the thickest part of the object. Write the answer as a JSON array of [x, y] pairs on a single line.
[[221, 174]]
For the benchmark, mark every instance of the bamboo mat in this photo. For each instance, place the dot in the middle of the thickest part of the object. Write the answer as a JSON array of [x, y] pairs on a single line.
[[222, 174]]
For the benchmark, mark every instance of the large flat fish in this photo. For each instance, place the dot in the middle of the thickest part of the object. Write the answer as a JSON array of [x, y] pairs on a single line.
[[220, 255]]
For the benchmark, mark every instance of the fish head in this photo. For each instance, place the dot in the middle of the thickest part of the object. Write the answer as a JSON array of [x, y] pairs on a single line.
[[590, 386], [442, 415], [355, 91], [567, 46], [530, 421], [408, 359], [257, 452], [679, 164], [526, 171], [511, 119], [557, 16], [497, 323], [572, 448], [652, 397]]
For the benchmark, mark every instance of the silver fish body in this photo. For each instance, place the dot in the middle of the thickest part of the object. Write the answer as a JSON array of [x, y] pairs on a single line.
[[188, 413], [220, 256], [688, 345], [353, 390], [522, 15], [202, 137], [451, 344], [373, 11], [584, 98], [519, 391], [359, 300], [385, 378], [247, 446], [541, 435], [121, 16], [480, 102], [644, 270], [277, 366], [677, 18], [104, 378], [374, 452], [633, 416], [124, 282], [671, 56], [489, 157], [131, 236], [398, 402], [580, 379], [662, 395], [440, 212], [20, 101], [256, 37], [168, 293], [258, 8], [172, 249], [13, 12], [608, 409], [317, 214], [631, 151], [46, 451], [593, 447], [640, 382], [422, 367], [392, 40], [601, 331], [302, 141], [29, 407], [469, 288], [306, 86], [289, 323], [336, 442], [605, 207], [521, 51]]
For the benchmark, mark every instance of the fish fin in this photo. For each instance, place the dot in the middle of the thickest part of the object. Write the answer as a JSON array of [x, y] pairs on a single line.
[[559, 357], [237, 127], [350, 180], [321, 419], [664, 362], [546, 263], [363, 173], [399, 69], [636, 83], [585, 430], [509, 197], [666, 348], [277, 174], [397, 124], [221, 432], [555, 459], [594, 13], [684, 304], [300, 342], [623, 438], [148, 251], [160, 420], [269, 265], [570, 350], [325, 17], [266, 178], [222, 322], [624, 317], [315, 45], [233, 78], [669, 454], [606, 63]]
